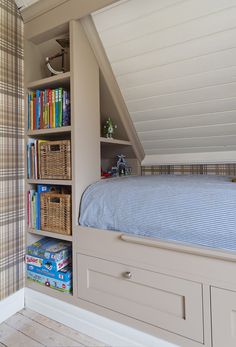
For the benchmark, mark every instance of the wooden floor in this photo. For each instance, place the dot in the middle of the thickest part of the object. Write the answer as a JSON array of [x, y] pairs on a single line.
[[30, 329]]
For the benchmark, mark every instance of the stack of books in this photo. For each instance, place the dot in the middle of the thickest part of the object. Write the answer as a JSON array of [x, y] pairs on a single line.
[[33, 161], [49, 263], [49, 108], [33, 205]]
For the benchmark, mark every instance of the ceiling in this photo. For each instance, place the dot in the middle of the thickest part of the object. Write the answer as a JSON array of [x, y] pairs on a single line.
[[22, 4], [175, 64]]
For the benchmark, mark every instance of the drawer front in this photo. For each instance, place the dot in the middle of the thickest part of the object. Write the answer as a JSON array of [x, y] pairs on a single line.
[[167, 302], [223, 317]]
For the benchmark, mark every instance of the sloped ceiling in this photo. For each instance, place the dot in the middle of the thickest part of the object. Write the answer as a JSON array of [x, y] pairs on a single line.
[[22, 4], [175, 63]]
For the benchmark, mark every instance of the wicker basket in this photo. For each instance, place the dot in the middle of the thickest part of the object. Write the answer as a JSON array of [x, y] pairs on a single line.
[[56, 212], [55, 160]]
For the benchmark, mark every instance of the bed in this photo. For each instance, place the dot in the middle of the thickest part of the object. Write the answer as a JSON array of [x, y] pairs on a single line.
[[158, 253], [188, 209]]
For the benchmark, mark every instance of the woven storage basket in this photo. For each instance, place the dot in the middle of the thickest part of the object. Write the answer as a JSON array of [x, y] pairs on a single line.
[[56, 212], [55, 160]]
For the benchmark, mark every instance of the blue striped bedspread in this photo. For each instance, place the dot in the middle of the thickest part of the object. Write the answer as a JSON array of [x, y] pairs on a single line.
[[198, 210]]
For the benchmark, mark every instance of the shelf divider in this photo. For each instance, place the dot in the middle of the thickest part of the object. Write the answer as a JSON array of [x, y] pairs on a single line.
[[115, 141], [49, 131], [50, 234], [53, 81]]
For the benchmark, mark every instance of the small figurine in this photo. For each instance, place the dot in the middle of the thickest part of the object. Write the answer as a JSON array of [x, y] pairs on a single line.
[[122, 166], [109, 128]]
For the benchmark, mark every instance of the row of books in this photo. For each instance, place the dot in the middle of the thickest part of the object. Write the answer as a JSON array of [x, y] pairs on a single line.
[[33, 161], [33, 205], [49, 108]]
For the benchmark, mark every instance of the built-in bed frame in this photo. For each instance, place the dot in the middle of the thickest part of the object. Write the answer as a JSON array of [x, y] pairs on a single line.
[[184, 294]]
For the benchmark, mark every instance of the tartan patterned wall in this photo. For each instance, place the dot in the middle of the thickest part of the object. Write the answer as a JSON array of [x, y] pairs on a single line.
[[11, 150], [197, 169]]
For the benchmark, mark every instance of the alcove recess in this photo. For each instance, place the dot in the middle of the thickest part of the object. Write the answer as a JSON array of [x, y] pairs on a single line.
[[36, 52], [120, 144]]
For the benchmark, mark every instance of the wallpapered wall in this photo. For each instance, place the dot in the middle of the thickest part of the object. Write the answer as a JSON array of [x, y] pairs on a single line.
[[11, 150], [197, 169]]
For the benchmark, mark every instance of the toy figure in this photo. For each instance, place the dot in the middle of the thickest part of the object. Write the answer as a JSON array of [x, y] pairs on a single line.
[[122, 165], [109, 128]]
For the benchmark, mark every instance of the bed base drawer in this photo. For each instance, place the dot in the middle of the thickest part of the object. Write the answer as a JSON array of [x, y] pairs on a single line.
[[163, 301]]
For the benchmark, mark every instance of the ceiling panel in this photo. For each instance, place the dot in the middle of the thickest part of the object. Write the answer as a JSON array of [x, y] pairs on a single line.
[[175, 64], [22, 4]]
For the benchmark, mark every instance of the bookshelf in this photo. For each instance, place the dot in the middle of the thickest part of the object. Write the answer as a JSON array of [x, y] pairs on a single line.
[[91, 104]]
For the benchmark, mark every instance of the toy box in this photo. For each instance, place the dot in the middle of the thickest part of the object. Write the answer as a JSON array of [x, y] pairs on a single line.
[[49, 254], [53, 282]]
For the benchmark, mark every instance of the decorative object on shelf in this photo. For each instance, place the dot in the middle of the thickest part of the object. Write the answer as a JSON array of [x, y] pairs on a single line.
[[109, 128], [64, 43], [122, 166], [105, 174]]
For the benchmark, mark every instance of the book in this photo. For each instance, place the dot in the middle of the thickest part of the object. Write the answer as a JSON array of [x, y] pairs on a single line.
[[38, 108], [66, 108], [60, 93], [56, 108]]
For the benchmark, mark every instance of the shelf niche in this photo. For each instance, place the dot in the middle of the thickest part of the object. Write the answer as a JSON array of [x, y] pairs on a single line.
[[120, 144], [35, 55]]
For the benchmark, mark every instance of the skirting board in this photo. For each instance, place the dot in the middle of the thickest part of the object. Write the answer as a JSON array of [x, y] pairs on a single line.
[[112, 333], [11, 305]]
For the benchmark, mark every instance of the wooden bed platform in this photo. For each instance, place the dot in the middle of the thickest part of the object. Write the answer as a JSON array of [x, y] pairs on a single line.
[[184, 294]]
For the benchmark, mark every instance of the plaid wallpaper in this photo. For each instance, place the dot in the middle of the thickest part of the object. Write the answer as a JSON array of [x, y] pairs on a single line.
[[206, 169], [11, 150]]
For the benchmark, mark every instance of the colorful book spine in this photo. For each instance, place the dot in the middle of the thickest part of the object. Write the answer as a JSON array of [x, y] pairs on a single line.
[[66, 108], [38, 109], [49, 108], [53, 109], [57, 107], [60, 102]]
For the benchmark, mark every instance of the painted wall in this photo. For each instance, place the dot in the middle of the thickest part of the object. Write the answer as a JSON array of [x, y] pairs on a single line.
[[11, 150]]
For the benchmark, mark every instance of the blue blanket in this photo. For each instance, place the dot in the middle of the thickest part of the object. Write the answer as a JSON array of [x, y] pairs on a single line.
[[197, 210]]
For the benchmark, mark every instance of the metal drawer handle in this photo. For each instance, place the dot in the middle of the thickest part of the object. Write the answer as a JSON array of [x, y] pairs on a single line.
[[127, 274]]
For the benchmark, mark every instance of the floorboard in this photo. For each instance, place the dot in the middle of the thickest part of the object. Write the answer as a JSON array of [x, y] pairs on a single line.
[[30, 329]]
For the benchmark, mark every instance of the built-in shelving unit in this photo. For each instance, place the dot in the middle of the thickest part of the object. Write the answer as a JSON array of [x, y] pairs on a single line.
[[91, 104], [36, 77]]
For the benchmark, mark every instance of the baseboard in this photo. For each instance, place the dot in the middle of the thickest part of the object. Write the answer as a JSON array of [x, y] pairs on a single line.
[[11, 305], [111, 333]]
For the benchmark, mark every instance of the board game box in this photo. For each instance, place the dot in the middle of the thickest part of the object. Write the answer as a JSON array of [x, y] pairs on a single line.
[[63, 284], [49, 254]]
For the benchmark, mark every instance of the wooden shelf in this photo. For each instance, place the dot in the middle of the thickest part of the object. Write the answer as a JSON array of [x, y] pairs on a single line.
[[50, 234], [39, 132], [49, 291], [52, 182], [51, 82], [115, 141]]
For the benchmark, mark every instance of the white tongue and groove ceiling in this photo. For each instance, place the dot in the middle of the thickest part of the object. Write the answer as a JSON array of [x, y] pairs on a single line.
[[175, 64]]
